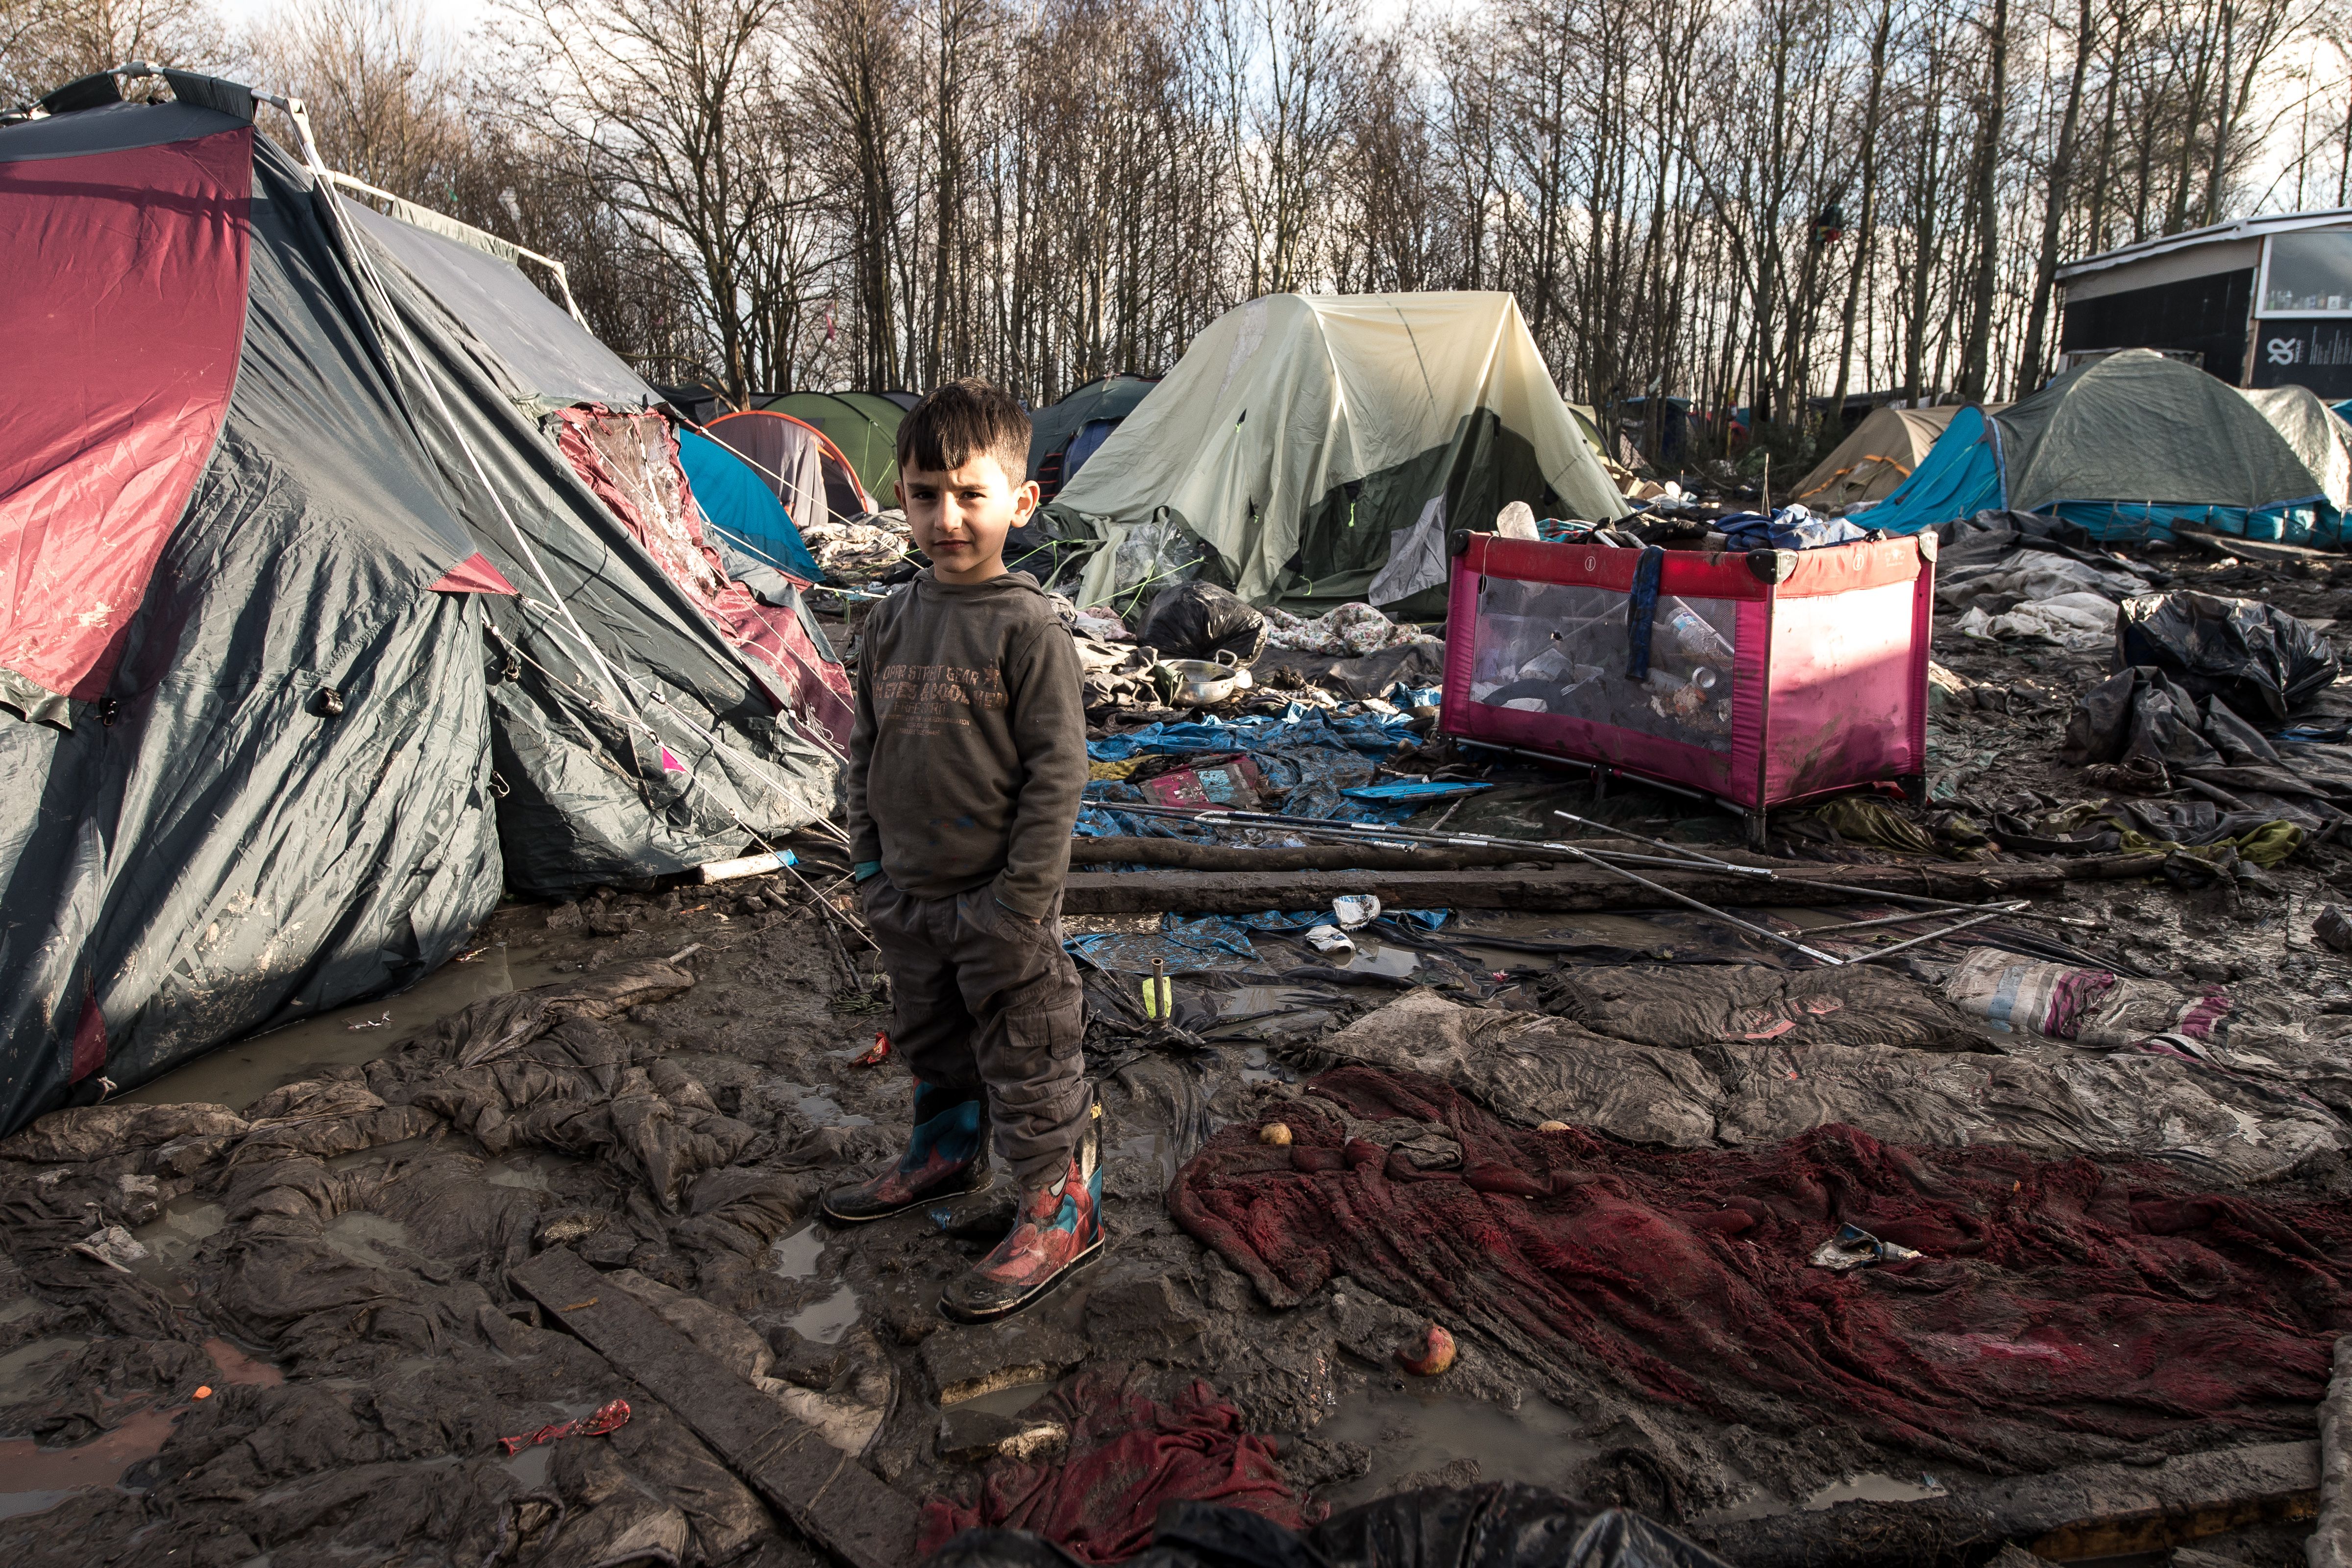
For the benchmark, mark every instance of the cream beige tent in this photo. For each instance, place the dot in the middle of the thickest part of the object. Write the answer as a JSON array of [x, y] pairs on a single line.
[[1321, 448], [1880, 455]]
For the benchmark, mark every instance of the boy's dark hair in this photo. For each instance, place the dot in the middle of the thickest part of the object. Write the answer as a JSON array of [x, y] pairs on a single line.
[[963, 420]]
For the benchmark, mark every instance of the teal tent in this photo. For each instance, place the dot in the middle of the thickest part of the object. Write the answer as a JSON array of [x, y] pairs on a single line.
[[737, 503]]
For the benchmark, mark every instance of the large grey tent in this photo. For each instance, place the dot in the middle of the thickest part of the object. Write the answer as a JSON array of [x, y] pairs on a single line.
[[1321, 448], [310, 639]]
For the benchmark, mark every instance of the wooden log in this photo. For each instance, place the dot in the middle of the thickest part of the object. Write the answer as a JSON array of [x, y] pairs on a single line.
[[1186, 853], [2330, 1545], [841, 1507], [2096, 1510], [1581, 888]]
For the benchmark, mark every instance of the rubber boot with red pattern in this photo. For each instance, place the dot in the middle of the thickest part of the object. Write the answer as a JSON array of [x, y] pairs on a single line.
[[1057, 1228], [946, 1157]]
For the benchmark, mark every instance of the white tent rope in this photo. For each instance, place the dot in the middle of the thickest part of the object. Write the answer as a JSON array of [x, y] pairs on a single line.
[[319, 170], [614, 680]]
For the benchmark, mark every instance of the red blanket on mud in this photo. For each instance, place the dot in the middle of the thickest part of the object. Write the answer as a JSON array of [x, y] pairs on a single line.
[[1128, 1455], [2063, 1310]]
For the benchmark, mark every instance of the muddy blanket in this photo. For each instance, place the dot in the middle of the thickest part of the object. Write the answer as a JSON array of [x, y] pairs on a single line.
[[1127, 1455], [1529, 1067], [2058, 1311], [1857, 1005]]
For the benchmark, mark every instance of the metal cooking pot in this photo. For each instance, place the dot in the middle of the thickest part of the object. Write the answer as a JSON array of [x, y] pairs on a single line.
[[1202, 682]]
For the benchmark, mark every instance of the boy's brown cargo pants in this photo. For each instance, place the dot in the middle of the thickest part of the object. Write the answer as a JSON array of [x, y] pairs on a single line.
[[985, 998]]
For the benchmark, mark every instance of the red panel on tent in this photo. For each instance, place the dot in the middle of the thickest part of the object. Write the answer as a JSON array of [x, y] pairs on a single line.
[[125, 335], [474, 575]]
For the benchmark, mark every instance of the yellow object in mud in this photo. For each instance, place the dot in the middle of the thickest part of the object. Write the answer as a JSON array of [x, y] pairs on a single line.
[[1118, 770]]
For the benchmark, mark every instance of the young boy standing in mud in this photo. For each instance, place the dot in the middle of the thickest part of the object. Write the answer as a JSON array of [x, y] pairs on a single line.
[[966, 765]]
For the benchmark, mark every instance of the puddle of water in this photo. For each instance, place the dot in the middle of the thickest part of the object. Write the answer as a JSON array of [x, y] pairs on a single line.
[[25, 1370], [34, 1472], [1408, 1432], [170, 1237], [239, 1073], [1874, 1486], [1371, 958], [795, 1253], [1009, 1401], [236, 1367], [824, 1322], [367, 1238]]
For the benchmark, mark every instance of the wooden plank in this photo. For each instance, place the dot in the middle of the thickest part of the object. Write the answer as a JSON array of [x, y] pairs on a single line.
[[841, 1507], [2096, 1510], [2219, 543], [1245, 892]]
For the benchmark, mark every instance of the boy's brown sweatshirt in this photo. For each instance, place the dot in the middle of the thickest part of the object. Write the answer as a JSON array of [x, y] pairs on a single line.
[[969, 754]]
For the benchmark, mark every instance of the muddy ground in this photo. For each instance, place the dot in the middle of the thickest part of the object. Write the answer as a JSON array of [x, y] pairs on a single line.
[[302, 1344]]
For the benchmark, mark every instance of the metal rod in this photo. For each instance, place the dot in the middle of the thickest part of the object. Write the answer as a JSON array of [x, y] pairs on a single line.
[[824, 908], [1710, 910], [1874, 955], [1901, 920], [1655, 843]]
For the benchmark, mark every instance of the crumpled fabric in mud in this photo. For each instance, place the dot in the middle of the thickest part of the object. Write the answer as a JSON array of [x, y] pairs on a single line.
[[1501, 1524], [1685, 1007], [1127, 1455], [2254, 657], [1114, 675], [2059, 1310], [2193, 1021], [541, 1071], [498, 1026], [1529, 1067]]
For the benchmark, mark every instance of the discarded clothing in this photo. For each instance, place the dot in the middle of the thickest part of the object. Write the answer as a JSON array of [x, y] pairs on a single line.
[[1787, 528], [1856, 1004], [1350, 631], [2090, 1005], [1128, 1457], [2083, 622], [1501, 1524], [2057, 1101], [2062, 1310], [2254, 657], [1184, 946]]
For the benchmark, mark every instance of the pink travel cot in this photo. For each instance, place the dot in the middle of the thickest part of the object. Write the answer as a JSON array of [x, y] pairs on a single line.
[[1774, 674]]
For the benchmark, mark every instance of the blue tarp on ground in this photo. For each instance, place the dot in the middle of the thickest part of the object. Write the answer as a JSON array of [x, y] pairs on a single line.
[[733, 497]]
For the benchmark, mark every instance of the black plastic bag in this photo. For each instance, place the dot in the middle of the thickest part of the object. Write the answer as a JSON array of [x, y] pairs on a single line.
[[1201, 620], [1496, 1525], [2257, 658], [2136, 713]]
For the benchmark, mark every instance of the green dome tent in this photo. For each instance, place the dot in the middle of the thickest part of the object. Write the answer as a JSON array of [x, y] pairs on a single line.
[[2127, 446], [1319, 448], [1063, 436]]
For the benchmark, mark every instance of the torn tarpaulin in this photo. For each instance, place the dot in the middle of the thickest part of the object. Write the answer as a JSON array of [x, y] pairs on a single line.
[[1128, 1457], [2062, 1310]]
